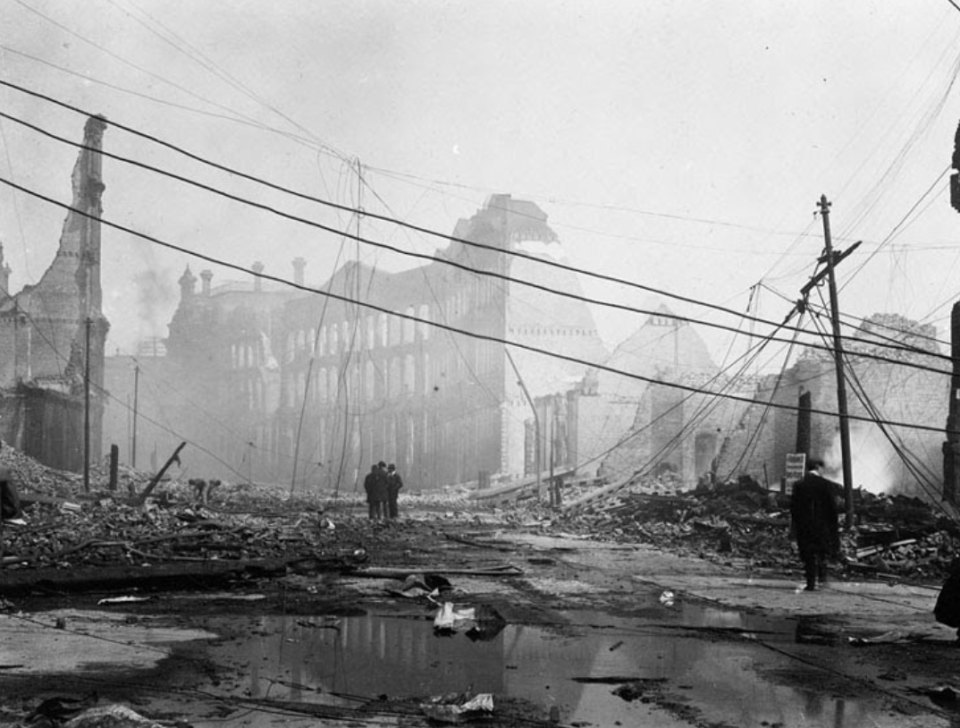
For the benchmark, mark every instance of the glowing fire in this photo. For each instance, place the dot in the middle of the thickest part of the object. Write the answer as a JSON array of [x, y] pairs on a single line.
[[876, 466]]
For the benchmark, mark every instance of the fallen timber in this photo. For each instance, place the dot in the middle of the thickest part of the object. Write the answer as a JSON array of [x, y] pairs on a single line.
[[202, 573], [524, 488], [401, 572], [597, 494]]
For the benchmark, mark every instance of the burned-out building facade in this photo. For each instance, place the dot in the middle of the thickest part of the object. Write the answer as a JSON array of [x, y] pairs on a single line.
[[52, 333], [899, 383], [311, 387], [678, 417], [399, 382]]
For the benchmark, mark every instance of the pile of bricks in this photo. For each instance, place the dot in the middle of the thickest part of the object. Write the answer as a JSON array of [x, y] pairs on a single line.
[[893, 535]]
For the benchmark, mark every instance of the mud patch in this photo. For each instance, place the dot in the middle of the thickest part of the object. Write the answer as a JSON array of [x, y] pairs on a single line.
[[76, 642]]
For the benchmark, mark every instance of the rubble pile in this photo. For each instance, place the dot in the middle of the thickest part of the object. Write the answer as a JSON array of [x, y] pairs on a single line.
[[109, 532], [198, 520], [740, 522], [68, 527], [40, 478], [893, 535]]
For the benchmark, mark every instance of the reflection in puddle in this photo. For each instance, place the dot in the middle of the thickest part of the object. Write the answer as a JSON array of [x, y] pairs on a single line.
[[720, 674]]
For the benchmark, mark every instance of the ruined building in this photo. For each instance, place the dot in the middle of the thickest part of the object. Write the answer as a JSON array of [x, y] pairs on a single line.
[[627, 426], [52, 331], [903, 386], [296, 387], [271, 383]]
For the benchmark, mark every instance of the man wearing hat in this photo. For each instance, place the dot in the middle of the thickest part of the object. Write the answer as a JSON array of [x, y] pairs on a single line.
[[813, 521], [394, 484], [373, 485]]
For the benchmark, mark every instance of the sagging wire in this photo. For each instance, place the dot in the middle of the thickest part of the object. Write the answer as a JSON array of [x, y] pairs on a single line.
[[901, 451]]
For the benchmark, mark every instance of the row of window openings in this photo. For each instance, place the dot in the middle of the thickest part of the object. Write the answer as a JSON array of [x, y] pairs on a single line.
[[375, 330], [391, 333], [538, 331], [390, 382], [400, 378], [380, 330]]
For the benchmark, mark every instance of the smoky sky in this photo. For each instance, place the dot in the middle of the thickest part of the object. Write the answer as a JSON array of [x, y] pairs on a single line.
[[155, 294]]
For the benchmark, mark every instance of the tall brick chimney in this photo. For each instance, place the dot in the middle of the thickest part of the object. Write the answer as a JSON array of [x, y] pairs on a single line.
[[205, 276], [298, 266]]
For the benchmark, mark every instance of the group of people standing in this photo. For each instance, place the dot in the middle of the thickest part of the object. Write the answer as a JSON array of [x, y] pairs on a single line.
[[382, 485]]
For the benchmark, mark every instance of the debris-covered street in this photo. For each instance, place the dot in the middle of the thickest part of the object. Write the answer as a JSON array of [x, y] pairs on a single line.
[[499, 363], [639, 608]]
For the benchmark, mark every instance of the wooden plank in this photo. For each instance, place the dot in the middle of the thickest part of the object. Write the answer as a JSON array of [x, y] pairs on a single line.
[[18, 581], [871, 550], [596, 495], [510, 489], [387, 572]]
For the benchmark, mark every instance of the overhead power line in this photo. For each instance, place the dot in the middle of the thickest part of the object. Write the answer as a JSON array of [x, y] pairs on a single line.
[[858, 322], [452, 263], [371, 215], [252, 123], [434, 324]]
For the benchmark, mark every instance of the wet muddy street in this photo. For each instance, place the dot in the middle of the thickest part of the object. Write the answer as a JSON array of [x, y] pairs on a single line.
[[596, 669], [556, 630], [641, 655]]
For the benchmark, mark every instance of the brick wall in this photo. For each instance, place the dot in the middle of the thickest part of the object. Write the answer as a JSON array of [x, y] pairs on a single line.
[[899, 393], [44, 332]]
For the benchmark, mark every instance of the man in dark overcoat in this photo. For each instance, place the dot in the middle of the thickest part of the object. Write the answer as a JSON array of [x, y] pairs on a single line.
[[394, 484], [813, 521], [372, 485]]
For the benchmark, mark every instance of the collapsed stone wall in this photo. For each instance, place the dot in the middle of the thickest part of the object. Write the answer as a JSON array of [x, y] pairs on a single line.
[[46, 328], [897, 393]]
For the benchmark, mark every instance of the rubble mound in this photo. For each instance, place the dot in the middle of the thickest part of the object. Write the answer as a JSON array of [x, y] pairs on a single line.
[[741, 523], [892, 536]]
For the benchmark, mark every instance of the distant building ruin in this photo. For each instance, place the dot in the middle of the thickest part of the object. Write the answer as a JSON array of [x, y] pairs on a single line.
[[269, 383], [46, 327], [276, 384]]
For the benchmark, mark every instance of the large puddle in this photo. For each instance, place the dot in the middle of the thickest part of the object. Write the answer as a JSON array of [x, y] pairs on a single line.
[[679, 666]]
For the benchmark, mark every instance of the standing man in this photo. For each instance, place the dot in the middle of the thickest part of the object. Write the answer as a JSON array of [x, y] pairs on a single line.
[[394, 484], [382, 491], [371, 485], [813, 521]]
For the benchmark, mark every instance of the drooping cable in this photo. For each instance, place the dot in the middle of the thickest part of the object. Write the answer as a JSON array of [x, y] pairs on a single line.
[[382, 309]]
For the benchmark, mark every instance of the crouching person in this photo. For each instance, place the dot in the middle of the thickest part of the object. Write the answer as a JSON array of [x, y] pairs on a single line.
[[10, 509]]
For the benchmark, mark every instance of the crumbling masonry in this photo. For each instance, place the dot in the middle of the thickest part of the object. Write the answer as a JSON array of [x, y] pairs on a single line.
[[46, 327]]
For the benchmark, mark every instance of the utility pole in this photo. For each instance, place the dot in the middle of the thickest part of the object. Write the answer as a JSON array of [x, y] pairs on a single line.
[[136, 397], [838, 359], [86, 411], [951, 448]]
